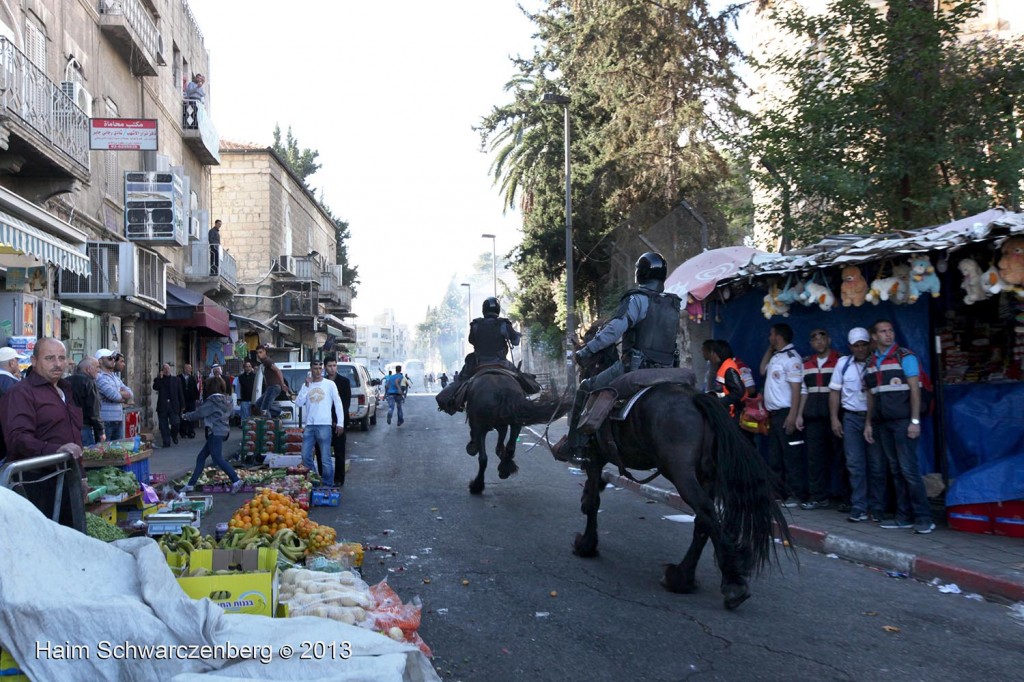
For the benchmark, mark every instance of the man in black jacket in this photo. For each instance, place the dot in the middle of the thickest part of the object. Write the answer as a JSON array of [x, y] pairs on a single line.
[[338, 443], [170, 401], [246, 383], [86, 395], [190, 389]]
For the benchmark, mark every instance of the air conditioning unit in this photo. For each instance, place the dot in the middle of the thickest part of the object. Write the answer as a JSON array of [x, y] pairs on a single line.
[[79, 95], [155, 208], [286, 265]]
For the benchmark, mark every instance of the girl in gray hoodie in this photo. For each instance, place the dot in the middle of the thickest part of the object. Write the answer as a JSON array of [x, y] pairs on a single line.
[[215, 412]]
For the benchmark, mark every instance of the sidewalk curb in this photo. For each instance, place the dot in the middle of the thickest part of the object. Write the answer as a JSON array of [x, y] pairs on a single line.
[[919, 567]]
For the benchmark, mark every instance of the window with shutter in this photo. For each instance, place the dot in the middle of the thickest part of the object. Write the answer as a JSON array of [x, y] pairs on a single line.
[[35, 42]]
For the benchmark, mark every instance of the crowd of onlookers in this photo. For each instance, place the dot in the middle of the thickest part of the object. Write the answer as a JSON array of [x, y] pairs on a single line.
[[839, 427]]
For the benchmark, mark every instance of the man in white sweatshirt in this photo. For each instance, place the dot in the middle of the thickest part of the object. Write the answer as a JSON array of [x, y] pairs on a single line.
[[316, 397]]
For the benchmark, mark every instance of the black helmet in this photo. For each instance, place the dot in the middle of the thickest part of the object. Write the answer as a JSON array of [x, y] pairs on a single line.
[[491, 306], [651, 267]]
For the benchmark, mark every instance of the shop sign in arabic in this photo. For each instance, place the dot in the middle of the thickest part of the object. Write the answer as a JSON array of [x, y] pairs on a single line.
[[134, 134]]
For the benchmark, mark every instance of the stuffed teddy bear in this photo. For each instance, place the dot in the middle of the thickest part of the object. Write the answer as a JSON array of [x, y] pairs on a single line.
[[991, 282], [695, 309], [1011, 263], [922, 278], [902, 275], [854, 288], [882, 289], [971, 271], [819, 294], [772, 306]]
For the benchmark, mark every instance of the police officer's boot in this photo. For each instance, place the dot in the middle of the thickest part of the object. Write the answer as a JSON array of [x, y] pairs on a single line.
[[574, 447]]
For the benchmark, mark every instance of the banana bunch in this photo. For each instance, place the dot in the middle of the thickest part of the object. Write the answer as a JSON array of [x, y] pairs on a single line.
[[186, 543], [244, 539], [289, 544]]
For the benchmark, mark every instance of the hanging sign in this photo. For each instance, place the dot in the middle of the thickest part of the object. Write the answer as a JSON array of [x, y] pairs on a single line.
[[127, 134]]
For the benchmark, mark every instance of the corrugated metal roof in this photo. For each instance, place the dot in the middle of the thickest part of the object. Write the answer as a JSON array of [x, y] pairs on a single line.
[[839, 250]]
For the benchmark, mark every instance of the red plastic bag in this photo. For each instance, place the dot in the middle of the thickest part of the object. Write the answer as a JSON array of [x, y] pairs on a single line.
[[389, 612], [754, 417]]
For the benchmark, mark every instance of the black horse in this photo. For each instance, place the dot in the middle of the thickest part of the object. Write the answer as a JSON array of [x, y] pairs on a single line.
[[691, 440], [496, 402]]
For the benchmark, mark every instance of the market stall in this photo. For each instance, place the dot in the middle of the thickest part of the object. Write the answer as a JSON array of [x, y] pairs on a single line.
[[955, 295]]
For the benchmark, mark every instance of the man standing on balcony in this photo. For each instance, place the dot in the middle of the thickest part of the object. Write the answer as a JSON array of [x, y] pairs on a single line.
[[194, 89], [215, 248]]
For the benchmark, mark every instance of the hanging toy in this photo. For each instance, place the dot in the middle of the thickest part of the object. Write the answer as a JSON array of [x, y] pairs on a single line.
[[882, 288], [772, 305], [902, 275], [818, 293], [854, 289], [695, 309], [791, 291], [1011, 263], [991, 281], [922, 278], [971, 271]]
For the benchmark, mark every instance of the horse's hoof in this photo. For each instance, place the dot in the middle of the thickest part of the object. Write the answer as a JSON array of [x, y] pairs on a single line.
[[734, 595], [584, 548], [506, 471], [675, 581], [475, 488], [471, 449]]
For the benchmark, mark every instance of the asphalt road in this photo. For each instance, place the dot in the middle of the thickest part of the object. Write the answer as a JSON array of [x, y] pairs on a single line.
[[504, 598]]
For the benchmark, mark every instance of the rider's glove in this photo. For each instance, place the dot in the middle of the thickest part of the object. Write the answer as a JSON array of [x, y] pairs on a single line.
[[583, 354]]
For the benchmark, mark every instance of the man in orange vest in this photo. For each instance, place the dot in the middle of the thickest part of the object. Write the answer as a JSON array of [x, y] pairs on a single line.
[[814, 419], [728, 382]]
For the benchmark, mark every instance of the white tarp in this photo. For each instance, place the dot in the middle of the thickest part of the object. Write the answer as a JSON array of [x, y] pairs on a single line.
[[61, 589]]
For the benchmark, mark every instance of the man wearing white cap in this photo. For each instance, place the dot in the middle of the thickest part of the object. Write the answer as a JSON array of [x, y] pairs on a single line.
[[10, 374], [848, 405], [114, 394]]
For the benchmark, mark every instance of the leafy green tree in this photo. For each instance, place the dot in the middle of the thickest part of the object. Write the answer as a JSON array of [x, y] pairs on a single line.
[[301, 161], [887, 119], [444, 328]]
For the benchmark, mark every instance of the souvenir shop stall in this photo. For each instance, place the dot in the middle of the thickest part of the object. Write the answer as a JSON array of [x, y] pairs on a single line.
[[955, 295]]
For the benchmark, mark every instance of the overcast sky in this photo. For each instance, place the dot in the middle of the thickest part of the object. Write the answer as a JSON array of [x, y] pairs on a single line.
[[388, 94]]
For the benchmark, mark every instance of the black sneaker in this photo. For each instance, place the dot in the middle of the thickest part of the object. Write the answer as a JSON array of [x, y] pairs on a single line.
[[896, 524], [815, 504], [924, 527]]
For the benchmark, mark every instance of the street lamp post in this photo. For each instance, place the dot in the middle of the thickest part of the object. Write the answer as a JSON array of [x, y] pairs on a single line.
[[494, 259], [469, 309], [570, 315]]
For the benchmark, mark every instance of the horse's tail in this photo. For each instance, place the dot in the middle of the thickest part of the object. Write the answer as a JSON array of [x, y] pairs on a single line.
[[543, 410], [743, 493]]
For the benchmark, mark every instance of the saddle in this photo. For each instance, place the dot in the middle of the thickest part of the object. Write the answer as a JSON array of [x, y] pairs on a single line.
[[614, 402], [453, 398]]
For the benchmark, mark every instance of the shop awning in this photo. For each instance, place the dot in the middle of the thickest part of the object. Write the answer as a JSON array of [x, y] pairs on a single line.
[[335, 325], [18, 237], [252, 322], [187, 308]]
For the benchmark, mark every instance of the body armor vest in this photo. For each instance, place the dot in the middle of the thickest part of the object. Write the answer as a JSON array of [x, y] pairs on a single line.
[[488, 338], [816, 381], [655, 335], [889, 387]]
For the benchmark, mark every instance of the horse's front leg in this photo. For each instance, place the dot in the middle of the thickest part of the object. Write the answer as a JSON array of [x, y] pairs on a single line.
[[590, 502], [478, 437], [507, 452], [499, 449]]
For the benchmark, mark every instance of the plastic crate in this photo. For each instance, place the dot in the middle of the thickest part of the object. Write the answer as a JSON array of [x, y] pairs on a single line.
[[325, 497], [971, 518], [140, 469], [157, 479], [1009, 518], [9, 670]]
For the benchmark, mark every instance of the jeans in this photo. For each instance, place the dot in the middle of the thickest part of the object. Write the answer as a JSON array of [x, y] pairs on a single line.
[[319, 434], [114, 430], [188, 428], [267, 399], [170, 422], [866, 464], [901, 452], [88, 437], [213, 448], [244, 409], [395, 399], [786, 457], [338, 445]]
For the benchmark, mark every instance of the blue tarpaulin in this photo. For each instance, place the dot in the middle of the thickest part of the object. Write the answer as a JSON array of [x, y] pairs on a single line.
[[996, 481]]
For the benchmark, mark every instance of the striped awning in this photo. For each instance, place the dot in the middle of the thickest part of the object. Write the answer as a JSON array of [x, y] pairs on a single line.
[[20, 237]]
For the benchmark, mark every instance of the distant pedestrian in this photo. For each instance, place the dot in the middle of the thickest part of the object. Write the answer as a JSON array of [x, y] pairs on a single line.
[[190, 387], [444, 380], [170, 403], [394, 393], [848, 408], [894, 420], [339, 440], [246, 383], [215, 412], [9, 377], [814, 420]]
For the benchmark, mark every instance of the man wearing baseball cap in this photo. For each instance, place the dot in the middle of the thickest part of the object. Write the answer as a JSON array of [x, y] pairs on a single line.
[[114, 394], [848, 406]]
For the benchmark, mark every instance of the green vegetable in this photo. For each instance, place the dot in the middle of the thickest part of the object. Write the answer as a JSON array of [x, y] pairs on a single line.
[[95, 527], [117, 481]]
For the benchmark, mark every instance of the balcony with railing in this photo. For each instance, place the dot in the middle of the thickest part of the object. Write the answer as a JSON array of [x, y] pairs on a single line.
[[37, 119], [123, 278], [134, 34], [199, 133], [211, 268], [307, 269], [300, 306]]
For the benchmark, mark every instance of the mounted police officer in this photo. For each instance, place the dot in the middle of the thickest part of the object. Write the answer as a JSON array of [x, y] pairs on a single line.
[[647, 321], [491, 337]]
